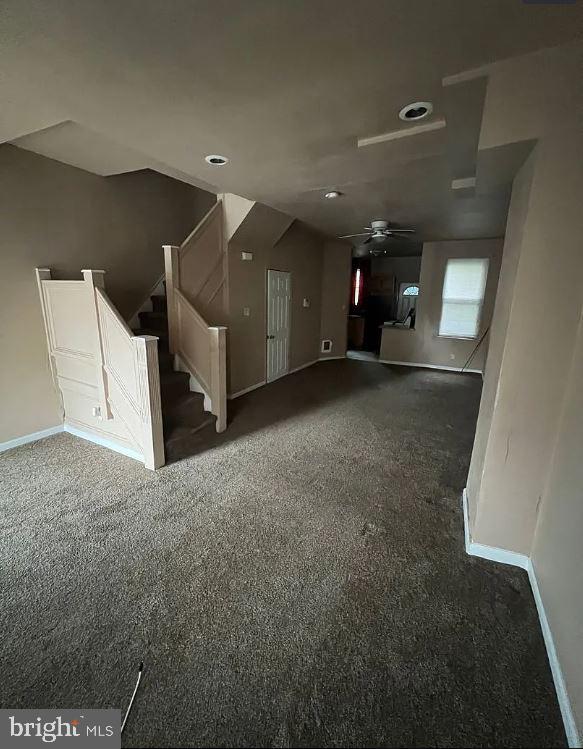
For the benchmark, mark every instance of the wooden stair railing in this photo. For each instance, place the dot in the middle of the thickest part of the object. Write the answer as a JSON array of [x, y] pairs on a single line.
[[200, 346], [107, 378]]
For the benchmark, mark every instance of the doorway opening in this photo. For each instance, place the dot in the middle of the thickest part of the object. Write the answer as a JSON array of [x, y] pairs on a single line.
[[384, 293]]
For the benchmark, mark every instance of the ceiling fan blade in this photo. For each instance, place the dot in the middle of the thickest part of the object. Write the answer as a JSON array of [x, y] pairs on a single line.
[[402, 230], [366, 241], [347, 236]]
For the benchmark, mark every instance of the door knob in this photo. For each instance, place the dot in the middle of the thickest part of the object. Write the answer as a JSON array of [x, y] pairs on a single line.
[[270, 337]]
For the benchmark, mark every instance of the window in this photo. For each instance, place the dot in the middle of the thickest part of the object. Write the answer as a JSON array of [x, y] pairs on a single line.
[[463, 295], [411, 291]]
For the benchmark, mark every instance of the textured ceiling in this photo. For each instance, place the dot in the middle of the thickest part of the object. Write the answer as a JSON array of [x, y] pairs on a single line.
[[284, 89]]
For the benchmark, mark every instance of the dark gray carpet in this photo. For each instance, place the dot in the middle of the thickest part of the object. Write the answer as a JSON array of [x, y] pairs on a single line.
[[298, 581]]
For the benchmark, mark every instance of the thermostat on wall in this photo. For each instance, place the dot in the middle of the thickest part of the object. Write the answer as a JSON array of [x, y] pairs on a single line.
[[326, 346]]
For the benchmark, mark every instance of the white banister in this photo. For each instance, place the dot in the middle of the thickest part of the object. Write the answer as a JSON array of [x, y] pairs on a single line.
[[107, 378], [200, 346], [95, 279], [44, 274], [172, 274], [146, 353], [133, 375], [218, 357]]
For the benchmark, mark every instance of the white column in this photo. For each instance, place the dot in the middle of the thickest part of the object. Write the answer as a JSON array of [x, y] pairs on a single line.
[[172, 272], [218, 362], [96, 279], [146, 353]]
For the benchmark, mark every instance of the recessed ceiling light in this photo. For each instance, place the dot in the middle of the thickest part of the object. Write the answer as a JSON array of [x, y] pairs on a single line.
[[416, 111], [215, 160], [333, 194]]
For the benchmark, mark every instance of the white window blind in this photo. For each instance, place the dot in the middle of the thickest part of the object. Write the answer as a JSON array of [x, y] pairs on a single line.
[[463, 295]]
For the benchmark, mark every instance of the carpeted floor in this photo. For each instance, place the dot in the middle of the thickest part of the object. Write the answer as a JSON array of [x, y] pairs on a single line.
[[298, 581]]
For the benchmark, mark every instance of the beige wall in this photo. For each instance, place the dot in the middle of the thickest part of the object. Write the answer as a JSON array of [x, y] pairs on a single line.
[[557, 551], [320, 273], [61, 217], [423, 345], [299, 251], [499, 327], [336, 269], [525, 485], [539, 342]]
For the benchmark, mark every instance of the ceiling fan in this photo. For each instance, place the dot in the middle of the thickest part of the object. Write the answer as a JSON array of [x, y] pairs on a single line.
[[379, 231]]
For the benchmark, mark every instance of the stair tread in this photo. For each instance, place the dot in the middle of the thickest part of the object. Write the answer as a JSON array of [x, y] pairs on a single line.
[[184, 410]]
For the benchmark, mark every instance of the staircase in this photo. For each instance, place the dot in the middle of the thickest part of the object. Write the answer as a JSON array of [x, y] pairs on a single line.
[[182, 410]]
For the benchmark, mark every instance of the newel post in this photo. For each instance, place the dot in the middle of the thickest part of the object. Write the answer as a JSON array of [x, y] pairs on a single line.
[[218, 354], [172, 273], [44, 274], [146, 356], [96, 279]]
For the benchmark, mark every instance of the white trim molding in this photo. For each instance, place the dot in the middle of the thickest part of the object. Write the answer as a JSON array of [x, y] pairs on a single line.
[[257, 385], [504, 556], [303, 366], [430, 366], [493, 553], [103, 442], [33, 437]]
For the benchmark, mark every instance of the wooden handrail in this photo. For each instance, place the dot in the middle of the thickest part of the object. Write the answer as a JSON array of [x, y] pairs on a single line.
[[109, 304], [200, 227], [201, 347], [199, 318]]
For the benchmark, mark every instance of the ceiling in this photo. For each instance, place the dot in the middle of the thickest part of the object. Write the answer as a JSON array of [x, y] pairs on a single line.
[[284, 89]]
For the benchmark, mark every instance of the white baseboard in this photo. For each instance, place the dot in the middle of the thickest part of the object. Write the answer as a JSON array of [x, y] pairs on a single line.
[[493, 553], [232, 396], [504, 556], [573, 738], [331, 358], [429, 366], [303, 366], [104, 442], [33, 437]]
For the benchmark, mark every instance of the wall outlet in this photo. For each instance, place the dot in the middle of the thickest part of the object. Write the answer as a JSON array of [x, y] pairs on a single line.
[[246, 311], [96, 411], [452, 356], [246, 256]]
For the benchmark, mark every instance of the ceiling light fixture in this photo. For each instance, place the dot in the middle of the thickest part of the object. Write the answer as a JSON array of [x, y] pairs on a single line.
[[416, 111], [332, 194], [215, 160]]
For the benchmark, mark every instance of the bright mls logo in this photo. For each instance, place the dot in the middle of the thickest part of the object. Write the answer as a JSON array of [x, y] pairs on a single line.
[[71, 728]]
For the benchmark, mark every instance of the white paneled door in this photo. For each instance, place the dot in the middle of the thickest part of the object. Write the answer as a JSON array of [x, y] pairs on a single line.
[[278, 323]]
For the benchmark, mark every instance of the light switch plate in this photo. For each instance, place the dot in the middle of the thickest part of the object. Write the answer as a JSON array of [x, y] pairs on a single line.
[[306, 302], [246, 311], [246, 256]]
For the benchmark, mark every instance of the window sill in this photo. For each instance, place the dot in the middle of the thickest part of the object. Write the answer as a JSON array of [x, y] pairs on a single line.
[[457, 337]]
